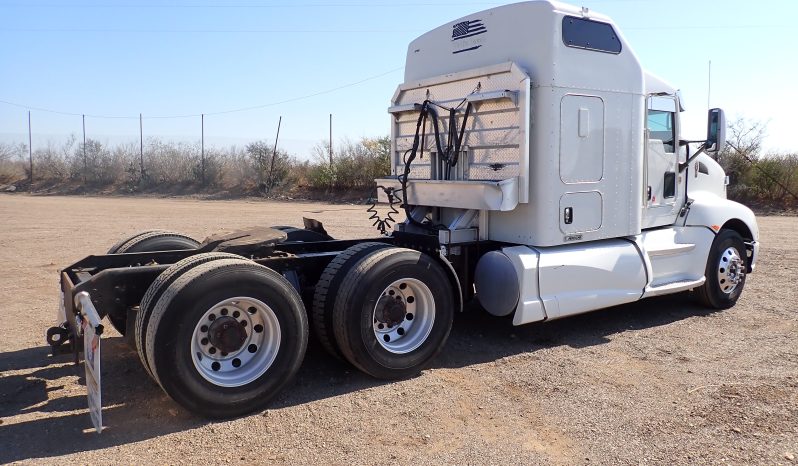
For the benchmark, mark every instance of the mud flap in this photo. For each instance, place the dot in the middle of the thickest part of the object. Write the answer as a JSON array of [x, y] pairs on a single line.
[[92, 329]]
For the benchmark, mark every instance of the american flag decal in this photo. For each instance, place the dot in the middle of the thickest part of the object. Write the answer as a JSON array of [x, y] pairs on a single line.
[[467, 29]]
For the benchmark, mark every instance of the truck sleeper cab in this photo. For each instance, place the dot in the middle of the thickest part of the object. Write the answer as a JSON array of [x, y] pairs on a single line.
[[571, 159]]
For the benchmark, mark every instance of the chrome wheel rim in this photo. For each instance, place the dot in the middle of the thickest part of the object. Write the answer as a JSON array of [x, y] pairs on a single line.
[[403, 316], [731, 270], [256, 331]]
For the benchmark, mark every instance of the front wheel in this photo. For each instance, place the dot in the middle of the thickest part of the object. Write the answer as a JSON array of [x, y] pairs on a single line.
[[393, 312], [725, 272]]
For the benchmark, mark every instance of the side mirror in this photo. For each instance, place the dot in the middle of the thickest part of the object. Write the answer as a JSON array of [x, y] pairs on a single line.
[[716, 131]]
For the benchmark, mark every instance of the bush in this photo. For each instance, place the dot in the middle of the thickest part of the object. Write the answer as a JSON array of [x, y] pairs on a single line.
[[354, 165], [763, 180], [178, 166], [271, 167]]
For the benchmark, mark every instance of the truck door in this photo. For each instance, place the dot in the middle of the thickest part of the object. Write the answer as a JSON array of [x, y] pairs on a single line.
[[662, 196]]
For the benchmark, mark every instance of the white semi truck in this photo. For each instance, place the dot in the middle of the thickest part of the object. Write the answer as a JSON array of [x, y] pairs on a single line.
[[541, 170]]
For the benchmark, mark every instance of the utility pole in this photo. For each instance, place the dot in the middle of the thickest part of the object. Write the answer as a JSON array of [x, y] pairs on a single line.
[[202, 146], [331, 150], [30, 153], [274, 154], [141, 148], [85, 162]]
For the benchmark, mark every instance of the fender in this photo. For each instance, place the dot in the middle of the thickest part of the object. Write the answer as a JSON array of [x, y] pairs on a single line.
[[715, 212]]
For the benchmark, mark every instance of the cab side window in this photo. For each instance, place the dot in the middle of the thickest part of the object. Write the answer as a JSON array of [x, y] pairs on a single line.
[[660, 126]]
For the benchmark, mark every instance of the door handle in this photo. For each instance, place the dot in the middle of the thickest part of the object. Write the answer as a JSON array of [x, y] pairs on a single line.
[[568, 215]]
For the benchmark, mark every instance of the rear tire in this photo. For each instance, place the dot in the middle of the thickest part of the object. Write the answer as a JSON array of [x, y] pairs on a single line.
[[157, 240], [725, 272], [156, 289], [148, 241], [124, 240], [321, 319], [226, 292], [393, 312]]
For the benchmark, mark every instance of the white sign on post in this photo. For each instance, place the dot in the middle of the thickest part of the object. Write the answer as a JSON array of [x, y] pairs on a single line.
[[91, 352]]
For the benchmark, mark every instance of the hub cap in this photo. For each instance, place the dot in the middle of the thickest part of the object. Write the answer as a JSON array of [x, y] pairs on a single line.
[[731, 270], [404, 315], [235, 341]]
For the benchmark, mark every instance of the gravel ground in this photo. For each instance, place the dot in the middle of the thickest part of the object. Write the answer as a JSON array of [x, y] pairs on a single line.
[[661, 381]]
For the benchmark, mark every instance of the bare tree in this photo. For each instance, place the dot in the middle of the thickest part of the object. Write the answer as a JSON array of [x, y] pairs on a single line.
[[744, 146], [745, 138], [7, 151]]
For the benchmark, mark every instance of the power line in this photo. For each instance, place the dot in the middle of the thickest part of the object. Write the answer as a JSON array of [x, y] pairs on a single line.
[[241, 5], [218, 31], [194, 115], [725, 26], [358, 31]]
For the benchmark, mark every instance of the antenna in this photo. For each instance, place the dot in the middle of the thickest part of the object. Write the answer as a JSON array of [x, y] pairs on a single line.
[[709, 83]]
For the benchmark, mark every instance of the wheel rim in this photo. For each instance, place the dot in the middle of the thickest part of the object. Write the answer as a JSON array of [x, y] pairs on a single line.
[[731, 270], [403, 316], [235, 341]]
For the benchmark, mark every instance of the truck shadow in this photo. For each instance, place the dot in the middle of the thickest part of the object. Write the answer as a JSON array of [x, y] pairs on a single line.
[[43, 403], [478, 337]]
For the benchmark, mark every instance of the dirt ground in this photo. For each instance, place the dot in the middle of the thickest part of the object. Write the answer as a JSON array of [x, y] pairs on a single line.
[[661, 381]]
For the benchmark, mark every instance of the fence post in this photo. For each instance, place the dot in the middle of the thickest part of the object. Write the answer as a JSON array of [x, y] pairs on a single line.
[[141, 149], [270, 184], [202, 146], [85, 162], [30, 153]]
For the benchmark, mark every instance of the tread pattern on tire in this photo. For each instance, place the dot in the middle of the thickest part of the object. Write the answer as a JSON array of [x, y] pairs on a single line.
[[126, 239], [150, 235], [214, 404], [326, 291], [704, 292], [169, 294], [347, 295], [156, 289], [352, 280], [129, 242]]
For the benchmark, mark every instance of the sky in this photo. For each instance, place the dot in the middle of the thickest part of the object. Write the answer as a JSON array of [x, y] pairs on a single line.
[[306, 59]]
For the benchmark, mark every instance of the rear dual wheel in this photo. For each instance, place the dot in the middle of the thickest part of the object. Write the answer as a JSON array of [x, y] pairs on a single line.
[[149, 241], [393, 312], [158, 287], [154, 240], [326, 290], [225, 336]]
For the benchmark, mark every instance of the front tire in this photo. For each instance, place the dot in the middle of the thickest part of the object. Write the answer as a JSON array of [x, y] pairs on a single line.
[[226, 336], [725, 272], [393, 312]]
